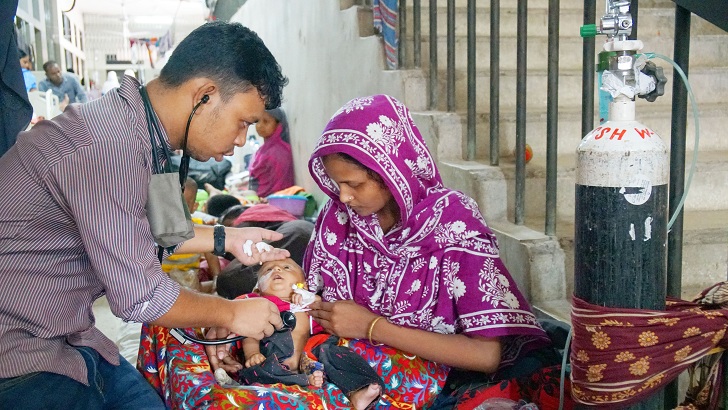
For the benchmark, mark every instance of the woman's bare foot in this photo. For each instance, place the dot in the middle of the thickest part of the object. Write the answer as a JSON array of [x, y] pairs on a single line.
[[362, 398], [316, 379]]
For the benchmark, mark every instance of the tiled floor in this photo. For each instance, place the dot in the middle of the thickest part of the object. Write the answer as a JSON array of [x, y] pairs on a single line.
[[125, 335]]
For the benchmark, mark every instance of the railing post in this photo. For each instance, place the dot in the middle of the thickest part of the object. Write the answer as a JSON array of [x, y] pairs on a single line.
[[451, 55], [417, 31], [494, 121], [552, 122], [588, 68], [471, 80], [402, 34], [677, 166], [521, 79], [433, 54]]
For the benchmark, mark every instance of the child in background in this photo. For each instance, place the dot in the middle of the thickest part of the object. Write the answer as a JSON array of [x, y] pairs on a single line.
[[26, 65], [280, 358], [186, 268], [218, 204], [272, 166]]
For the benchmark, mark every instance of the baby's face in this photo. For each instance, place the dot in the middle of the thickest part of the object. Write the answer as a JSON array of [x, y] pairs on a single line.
[[278, 277]]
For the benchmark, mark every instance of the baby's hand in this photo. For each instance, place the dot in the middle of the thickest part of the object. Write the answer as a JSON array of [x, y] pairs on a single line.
[[302, 296], [256, 358]]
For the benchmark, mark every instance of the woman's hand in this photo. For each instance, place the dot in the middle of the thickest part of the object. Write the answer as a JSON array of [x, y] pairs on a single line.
[[343, 318], [235, 239]]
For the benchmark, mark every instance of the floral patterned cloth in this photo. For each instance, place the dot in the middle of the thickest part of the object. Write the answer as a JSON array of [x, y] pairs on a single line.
[[439, 268], [181, 374], [620, 356]]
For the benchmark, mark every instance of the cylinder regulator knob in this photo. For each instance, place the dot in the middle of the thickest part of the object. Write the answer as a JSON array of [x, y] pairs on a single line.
[[657, 73]]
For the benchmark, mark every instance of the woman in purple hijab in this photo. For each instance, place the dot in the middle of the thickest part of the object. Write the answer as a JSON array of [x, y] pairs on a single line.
[[271, 169], [400, 259]]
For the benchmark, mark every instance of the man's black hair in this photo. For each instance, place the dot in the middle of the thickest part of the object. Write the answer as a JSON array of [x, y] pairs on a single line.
[[22, 54], [48, 64], [231, 55]]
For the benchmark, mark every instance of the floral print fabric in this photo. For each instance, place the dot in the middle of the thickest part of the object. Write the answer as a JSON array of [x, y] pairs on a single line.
[[439, 268], [182, 375], [620, 356]]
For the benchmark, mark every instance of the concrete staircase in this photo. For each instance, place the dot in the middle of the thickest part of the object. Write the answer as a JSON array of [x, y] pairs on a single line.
[[705, 252]]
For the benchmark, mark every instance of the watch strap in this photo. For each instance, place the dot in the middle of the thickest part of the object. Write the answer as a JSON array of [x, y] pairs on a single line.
[[219, 239]]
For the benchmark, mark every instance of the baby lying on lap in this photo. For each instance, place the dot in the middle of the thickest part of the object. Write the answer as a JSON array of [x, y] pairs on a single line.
[[280, 358]]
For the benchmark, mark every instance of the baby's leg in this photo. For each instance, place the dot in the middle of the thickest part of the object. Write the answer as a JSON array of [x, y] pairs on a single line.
[[316, 379], [314, 370], [364, 397]]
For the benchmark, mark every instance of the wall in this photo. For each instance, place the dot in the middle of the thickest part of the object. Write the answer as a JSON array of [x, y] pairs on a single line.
[[316, 30]]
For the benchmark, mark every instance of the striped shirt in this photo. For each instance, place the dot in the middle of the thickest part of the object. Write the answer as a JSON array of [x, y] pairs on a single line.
[[73, 227]]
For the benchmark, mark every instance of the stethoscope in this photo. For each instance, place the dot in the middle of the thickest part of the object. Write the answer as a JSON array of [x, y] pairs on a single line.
[[289, 323]]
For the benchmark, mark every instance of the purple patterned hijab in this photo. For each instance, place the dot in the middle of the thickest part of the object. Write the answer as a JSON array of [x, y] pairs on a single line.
[[438, 269]]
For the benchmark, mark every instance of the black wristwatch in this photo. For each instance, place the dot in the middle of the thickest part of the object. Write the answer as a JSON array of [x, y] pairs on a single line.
[[219, 235]]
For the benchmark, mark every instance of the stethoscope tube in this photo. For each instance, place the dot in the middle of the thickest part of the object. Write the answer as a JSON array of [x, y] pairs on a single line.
[[289, 323]]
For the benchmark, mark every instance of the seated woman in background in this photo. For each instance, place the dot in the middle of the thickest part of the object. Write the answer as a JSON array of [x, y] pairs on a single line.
[[402, 260], [271, 168]]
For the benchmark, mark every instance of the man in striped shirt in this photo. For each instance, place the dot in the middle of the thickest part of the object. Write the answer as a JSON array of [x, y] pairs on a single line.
[[73, 225]]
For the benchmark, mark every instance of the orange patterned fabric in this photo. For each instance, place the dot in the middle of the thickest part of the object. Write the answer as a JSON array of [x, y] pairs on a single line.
[[620, 356]]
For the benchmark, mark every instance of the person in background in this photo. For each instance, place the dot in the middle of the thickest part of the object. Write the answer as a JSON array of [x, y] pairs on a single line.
[[216, 205], [112, 81], [73, 73], [27, 66], [93, 91], [64, 85], [220, 79], [272, 166]]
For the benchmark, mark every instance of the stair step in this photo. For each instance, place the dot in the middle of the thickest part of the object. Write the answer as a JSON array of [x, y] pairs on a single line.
[[707, 193], [655, 115], [705, 240], [710, 85], [706, 50], [658, 21]]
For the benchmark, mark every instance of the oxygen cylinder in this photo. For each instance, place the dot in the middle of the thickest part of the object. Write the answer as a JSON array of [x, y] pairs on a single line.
[[621, 213]]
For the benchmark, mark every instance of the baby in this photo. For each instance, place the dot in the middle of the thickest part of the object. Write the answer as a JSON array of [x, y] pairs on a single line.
[[281, 358]]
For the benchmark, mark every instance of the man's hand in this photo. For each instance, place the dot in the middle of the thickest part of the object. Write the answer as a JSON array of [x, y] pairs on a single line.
[[254, 317], [219, 355], [236, 239]]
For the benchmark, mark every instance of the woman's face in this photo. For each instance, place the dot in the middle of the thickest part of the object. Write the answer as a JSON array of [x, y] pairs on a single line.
[[363, 194], [266, 126]]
